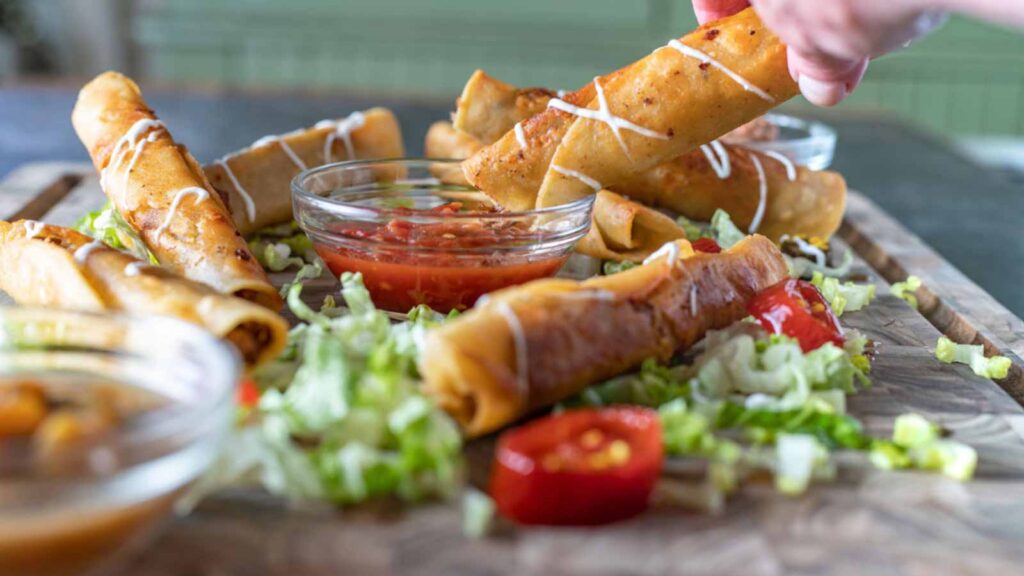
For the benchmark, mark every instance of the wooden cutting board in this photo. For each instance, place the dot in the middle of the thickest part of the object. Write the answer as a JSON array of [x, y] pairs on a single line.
[[866, 522]]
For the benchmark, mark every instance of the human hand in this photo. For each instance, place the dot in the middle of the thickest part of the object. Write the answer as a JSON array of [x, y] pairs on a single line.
[[831, 41]]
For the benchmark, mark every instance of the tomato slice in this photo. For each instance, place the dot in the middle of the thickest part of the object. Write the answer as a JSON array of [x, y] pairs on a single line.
[[706, 245], [578, 468], [797, 309], [248, 394]]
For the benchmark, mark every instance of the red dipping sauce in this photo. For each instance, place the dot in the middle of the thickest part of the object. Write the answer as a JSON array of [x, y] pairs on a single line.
[[419, 235], [443, 265]]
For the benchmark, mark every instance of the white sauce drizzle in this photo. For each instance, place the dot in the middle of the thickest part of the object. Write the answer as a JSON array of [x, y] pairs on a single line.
[[606, 295], [520, 136], [342, 129], [128, 143], [594, 184], [762, 202], [782, 158], [562, 93], [603, 114], [136, 268], [250, 205], [84, 250], [268, 140], [519, 342], [693, 301], [704, 58], [136, 154], [670, 250], [718, 157], [807, 248], [33, 229], [201, 194]]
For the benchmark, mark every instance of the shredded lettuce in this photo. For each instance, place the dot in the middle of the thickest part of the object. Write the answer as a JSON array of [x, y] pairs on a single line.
[[724, 231], [612, 267], [905, 290], [799, 458], [917, 443], [477, 513], [282, 247], [692, 230], [843, 296], [994, 368], [107, 225], [805, 267], [910, 430], [341, 417]]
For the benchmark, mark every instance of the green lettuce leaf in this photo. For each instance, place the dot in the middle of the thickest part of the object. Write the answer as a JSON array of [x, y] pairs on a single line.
[[905, 290], [994, 368], [843, 296], [724, 231], [107, 225]]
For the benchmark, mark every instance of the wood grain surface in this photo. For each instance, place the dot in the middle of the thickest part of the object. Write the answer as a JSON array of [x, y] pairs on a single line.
[[866, 522]]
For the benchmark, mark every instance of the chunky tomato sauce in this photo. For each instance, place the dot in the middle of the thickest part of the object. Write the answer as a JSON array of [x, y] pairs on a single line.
[[405, 264]]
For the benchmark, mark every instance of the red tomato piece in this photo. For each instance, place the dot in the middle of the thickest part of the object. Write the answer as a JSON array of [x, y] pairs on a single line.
[[706, 245], [248, 394], [579, 468], [797, 309]]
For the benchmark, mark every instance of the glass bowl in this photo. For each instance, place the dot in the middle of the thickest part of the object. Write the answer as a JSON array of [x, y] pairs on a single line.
[[806, 142], [420, 235], [86, 506]]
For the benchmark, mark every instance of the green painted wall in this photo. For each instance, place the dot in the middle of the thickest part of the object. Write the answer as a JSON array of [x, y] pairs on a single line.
[[968, 78]]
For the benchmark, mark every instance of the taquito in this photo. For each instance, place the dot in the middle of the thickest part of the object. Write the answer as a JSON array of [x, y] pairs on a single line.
[[56, 267], [488, 107], [774, 194], [255, 181], [533, 345], [695, 89], [621, 229], [160, 191]]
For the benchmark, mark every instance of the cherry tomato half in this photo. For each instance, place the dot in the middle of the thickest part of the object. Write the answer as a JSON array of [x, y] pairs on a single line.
[[248, 394], [706, 245], [797, 309], [578, 468]]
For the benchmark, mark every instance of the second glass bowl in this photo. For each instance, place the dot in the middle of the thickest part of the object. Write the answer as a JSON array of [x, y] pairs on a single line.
[[420, 235]]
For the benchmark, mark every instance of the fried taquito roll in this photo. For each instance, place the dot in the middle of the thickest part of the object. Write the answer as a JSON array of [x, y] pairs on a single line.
[[255, 181], [721, 76], [161, 191], [791, 199], [51, 266], [626, 230], [445, 141], [488, 107], [762, 193], [533, 345]]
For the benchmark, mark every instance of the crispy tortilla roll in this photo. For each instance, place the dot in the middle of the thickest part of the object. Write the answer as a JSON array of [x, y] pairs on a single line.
[[161, 191], [721, 76], [761, 193], [626, 230], [797, 200], [53, 266], [444, 141], [255, 181], [537, 344], [488, 107]]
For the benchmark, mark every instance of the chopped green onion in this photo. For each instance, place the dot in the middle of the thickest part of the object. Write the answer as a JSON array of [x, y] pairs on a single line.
[[994, 368]]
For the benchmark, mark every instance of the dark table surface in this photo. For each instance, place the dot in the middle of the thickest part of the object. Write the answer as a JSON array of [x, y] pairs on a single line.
[[974, 216]]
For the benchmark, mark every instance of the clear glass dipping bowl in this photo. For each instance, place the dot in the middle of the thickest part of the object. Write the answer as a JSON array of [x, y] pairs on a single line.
[[84, 518], [806, 142], [374, 217]]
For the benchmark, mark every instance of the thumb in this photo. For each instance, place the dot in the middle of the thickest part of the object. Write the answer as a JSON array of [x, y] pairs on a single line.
[[823, 80], [708, 10]]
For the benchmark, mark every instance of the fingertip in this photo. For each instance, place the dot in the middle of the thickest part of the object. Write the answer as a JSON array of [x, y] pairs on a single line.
[[822, 92]]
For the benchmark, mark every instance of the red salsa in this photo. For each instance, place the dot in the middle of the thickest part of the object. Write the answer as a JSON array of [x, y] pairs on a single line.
[[443, 265]]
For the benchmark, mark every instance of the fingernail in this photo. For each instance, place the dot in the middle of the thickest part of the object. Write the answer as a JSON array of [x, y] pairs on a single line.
[[822, 93]]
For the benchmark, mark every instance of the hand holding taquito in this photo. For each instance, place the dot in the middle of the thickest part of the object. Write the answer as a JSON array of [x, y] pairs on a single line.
[[685, 94], [533, 345], [57, 267], [161, 192], [256, 181]]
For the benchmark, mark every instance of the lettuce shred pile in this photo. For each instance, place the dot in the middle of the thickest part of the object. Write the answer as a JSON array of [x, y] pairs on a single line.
[[994, 368], [107, 225], [843, 296], [755, 400], [341, 417]]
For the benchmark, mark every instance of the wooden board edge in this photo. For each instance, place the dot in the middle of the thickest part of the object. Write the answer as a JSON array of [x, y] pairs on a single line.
[[32, 190], [950, 301]]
